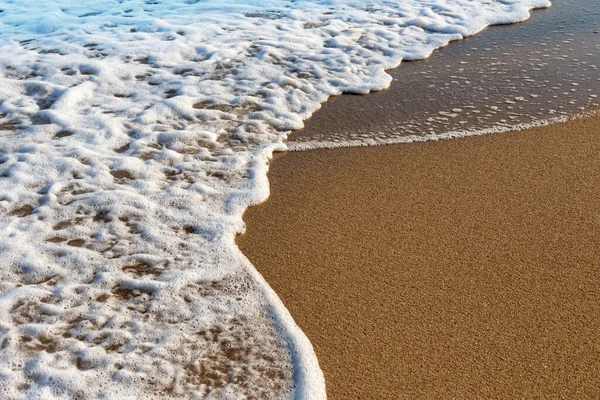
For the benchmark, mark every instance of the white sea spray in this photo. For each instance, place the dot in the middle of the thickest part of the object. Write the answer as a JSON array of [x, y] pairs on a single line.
[[133, 135]]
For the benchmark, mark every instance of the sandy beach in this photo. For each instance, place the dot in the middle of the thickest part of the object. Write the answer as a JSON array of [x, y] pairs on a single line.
[[464, 268], [134, 135]]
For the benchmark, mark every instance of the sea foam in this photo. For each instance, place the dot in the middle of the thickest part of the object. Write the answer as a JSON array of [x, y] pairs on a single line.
[[133, 135]]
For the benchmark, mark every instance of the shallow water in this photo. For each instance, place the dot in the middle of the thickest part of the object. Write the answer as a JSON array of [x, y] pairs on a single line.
[[508, 75]]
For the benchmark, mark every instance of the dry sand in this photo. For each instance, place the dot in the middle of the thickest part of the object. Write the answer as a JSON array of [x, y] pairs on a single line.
[[467, 268]]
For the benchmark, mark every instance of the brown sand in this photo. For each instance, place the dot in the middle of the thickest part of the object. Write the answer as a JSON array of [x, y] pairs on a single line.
[[467, 268]]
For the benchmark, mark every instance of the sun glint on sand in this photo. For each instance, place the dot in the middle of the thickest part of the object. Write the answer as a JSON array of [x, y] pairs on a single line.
[[453, 269]]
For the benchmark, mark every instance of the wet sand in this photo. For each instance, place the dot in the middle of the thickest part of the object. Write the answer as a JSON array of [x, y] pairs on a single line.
[[466, 268]]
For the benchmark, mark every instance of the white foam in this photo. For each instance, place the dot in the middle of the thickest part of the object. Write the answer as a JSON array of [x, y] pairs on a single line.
[[133, 136], [431, 137]]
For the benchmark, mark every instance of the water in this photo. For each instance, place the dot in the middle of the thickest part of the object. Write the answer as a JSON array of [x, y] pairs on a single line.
[[506, 77]]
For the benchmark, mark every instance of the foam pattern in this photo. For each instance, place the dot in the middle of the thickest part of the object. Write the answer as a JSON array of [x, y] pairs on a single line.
[[133, 135]]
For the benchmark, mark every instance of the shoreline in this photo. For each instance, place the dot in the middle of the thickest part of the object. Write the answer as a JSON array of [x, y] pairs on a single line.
[[308, 146], [451, 268]]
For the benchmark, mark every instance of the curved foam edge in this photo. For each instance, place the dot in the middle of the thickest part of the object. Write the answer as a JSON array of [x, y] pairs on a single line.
[[309, 381], [313, 145]]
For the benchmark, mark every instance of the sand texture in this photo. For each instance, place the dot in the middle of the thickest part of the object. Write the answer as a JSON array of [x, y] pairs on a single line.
[[466, 268]]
